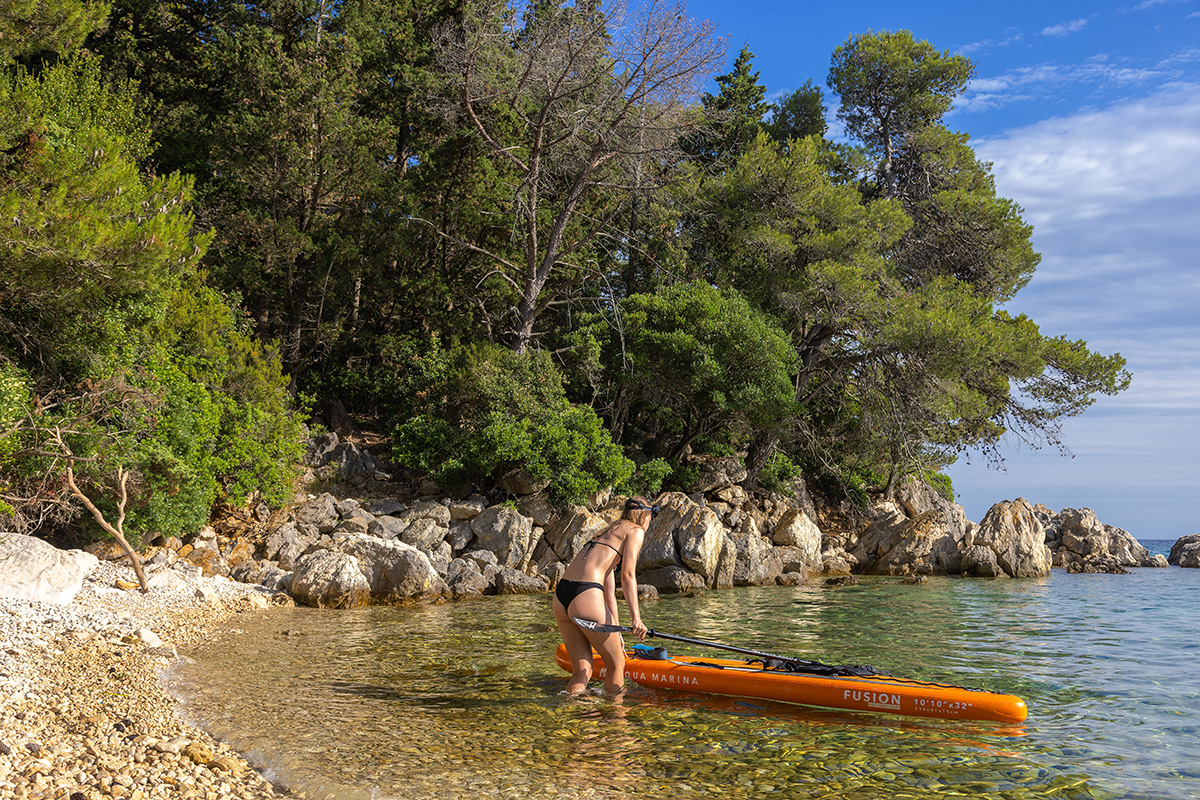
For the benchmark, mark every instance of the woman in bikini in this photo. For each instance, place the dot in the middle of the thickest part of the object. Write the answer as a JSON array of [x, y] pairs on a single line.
[[588, 590]]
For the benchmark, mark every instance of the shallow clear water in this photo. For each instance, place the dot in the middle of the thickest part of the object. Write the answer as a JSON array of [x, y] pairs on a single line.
[[462, 700]]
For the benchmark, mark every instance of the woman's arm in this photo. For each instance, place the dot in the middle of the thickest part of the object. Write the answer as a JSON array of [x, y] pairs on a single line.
[[610, 597], [630, 551]]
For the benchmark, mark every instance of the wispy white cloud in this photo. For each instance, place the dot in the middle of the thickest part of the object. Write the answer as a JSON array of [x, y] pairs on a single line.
[[1010, 37], [1065, 28], [1146, 5], [1114, 195], [1040, 82]]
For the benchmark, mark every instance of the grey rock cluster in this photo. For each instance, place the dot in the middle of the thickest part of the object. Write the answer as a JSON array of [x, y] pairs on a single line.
[[1081, 543], [348, 552], [1186, 551], [925, 534]]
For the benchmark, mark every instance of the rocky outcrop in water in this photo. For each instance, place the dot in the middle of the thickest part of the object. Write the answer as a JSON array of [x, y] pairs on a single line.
[[1011, 537], [1079, 542], [1186, 551], [924, 534]]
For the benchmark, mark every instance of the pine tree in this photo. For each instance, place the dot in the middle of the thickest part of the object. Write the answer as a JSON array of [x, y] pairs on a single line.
[[732, 117]]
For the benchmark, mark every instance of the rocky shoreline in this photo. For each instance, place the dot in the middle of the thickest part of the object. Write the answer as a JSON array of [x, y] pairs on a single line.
[[83, 715]]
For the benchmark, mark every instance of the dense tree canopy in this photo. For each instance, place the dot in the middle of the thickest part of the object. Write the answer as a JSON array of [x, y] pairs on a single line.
[[510, 236]]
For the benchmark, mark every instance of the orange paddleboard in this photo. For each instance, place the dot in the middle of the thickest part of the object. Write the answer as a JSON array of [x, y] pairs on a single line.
[[879, 693]]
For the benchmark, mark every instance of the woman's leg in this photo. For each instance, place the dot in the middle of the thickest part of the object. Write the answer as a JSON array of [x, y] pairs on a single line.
[[579, 649], [589, 604]]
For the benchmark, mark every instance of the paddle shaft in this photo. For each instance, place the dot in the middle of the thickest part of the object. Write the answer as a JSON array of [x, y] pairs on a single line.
[[602, 628]]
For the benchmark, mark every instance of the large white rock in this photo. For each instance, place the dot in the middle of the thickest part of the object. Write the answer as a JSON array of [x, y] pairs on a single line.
[[506, 533], [1012, 531], [328, 579], [796, 529], [31, 569]]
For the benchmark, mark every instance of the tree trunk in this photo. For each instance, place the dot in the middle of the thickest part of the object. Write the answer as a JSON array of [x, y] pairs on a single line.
[[757, 456], [116, 531]]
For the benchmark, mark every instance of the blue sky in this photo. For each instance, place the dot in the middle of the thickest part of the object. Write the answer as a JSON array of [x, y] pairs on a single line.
[[1090, 114]]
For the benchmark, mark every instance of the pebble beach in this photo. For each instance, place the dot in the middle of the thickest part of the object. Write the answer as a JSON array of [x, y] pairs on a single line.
[[83, 714]]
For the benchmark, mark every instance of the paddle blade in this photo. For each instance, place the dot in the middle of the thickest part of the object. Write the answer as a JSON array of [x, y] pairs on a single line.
[[600, 627]]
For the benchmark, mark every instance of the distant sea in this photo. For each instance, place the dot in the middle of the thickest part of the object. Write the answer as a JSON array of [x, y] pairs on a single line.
[[1157, 546]]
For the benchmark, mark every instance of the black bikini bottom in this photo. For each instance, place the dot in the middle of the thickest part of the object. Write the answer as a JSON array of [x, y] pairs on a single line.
[[566, 591]]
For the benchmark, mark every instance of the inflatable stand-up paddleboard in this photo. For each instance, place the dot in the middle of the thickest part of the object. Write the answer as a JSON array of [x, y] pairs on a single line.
[[854, 688]]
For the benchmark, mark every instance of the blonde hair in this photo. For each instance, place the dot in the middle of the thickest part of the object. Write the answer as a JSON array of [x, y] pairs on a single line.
[[635, 505]]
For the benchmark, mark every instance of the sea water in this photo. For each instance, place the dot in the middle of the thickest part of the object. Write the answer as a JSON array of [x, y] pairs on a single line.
[[464, 699]]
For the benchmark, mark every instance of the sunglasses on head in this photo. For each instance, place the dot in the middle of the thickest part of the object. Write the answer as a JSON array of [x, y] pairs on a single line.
[[634, 504]]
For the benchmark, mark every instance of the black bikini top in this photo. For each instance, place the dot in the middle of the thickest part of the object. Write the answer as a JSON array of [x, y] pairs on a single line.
[[591, 543]]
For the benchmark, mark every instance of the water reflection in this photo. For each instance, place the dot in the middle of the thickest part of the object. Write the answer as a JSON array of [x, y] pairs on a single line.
[[464, 699]]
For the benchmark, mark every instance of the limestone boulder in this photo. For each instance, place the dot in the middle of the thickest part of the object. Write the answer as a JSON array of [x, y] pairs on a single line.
[[793, 559], [896, 545], [464, 578], [348, 463], [318, 515], [564, 538], [237, 551], [330, 579], [718, 472], [539, 509], [519, 482], [1011, 530], [264, 573], [980, 562], [701, 539], [796, 529], [385, 506], [106, 549], [466, 509], [424, 525], [685, 534], [1186, 552], [394, 571], [285, 545], [31, 569], [722, 577], [672, 580], [507, 533], [836, 561], [318, 448], [1078, 539], [460, 537], [511, 581], [751, 549], [425, 534], [917, 498], [208, 560]]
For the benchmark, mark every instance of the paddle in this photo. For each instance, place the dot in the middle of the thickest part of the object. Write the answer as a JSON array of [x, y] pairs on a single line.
[[790, 664]]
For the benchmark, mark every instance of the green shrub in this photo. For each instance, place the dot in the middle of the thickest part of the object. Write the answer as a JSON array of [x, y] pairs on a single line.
[[259, 437], [647, 480], [683, 478], [497, 410], [14, 403], [778, 474], [940, 482]]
